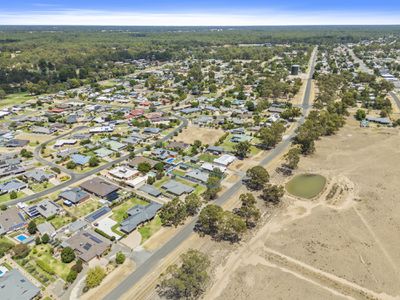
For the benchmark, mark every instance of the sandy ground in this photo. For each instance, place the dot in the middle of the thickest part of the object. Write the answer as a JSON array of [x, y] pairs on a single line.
[[110, 282], [342, 245], [205, 135]]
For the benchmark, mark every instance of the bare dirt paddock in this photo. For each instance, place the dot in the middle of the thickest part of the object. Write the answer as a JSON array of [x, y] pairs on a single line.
[[343, 245], [204, 134]]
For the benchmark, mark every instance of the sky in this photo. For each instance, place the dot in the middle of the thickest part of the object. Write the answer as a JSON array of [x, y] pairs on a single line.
[[199, 12]]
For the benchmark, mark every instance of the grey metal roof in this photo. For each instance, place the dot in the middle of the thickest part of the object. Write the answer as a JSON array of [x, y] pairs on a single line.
[[177, 188], [15, 286], [151, 190], [74, 195], [138, 215]]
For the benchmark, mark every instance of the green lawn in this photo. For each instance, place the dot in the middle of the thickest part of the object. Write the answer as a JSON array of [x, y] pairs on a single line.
[[6, 197], [43, 253], [5, 244], [229, 146], [146, 231], [38, 187], [207, 157], [60, 221], [160, 182], [178, 172], [14, 99], [84, 208], [120, 210]]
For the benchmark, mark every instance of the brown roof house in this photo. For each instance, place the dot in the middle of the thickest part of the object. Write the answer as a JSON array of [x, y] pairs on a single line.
[[87, 244], [101, 188]]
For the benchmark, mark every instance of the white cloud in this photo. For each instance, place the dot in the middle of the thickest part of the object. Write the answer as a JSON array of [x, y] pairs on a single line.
[[98, 17]]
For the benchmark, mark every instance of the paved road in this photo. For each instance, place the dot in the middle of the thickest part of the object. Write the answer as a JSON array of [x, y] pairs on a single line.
[[182, 235], [76, 177], [363, 67], [366, 69]]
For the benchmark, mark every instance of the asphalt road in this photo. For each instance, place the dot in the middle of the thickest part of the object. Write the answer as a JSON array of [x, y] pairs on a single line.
[[182, 235], [77, 177], [366, 69]]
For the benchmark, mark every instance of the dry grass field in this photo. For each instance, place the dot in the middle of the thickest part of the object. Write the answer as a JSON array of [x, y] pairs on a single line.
[[206, 135], [343, 244]]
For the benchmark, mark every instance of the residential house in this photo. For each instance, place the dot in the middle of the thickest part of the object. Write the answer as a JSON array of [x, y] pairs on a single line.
[[151, 190], [101, 188], [38, 175], [197, 176], [177, 188], [11, 219], [16, 286], [13, 185], [80, 159], [139, 214], [74, 196], [87, 244], [123, 173]]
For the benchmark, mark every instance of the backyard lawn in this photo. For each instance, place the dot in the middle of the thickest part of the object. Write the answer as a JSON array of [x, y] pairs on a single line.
[[150, 228], [5, 245], [60, 221], [207, 157], [40, 260], [84, 208], [119, 211]]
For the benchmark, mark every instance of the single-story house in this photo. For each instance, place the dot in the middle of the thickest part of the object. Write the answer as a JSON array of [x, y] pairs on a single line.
[[215, 149], [61, 143], [210, 167], [124, 173], [48, 208], [14, 143], [13, 185], [103, 152], [38, 175], [15, 286], [225, 160], [74, 196], [87, 244], [97, 214], [80, 159], [11, 219], [151, 190], [138, 215], [101, 188], [151, 130], [46, 227], [116, 146], [197, 175], [177, 188]]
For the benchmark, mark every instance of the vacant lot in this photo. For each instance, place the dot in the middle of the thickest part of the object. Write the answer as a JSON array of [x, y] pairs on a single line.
[[206, 135], [342, 245]]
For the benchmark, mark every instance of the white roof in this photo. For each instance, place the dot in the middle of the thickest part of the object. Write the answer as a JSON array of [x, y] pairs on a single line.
[[210, 167], [225, 159], [123, 172], [59, 143], [137, 181]]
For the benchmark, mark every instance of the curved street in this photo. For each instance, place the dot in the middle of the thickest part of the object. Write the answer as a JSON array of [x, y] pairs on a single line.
[[74, 177]]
